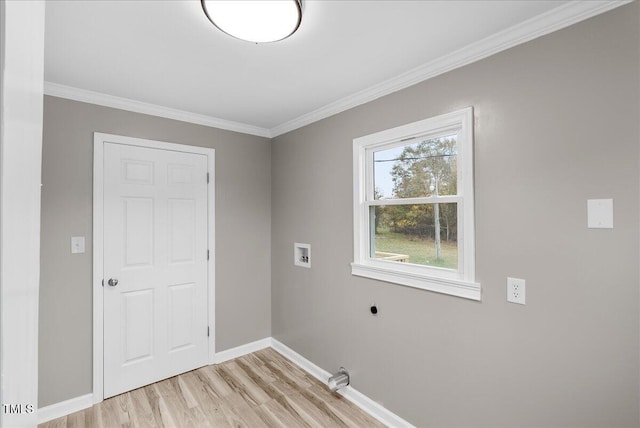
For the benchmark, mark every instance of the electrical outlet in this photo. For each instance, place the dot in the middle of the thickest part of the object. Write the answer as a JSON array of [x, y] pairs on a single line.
[[516, 291]]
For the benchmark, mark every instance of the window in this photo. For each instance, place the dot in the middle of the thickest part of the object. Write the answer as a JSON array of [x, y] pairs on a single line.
[[413, 205]]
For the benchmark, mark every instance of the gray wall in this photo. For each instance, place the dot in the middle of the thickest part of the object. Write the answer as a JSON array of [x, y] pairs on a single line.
[[243, 198], [556, 124]]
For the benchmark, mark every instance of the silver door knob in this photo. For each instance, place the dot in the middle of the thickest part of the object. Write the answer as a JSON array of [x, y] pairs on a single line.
[[112, 282]]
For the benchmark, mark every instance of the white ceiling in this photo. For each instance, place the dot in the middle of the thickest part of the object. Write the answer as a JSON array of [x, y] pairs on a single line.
[[166, 53]]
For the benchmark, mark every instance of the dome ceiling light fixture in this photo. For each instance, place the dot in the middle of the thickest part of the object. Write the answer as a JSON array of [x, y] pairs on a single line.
[[258, 21]]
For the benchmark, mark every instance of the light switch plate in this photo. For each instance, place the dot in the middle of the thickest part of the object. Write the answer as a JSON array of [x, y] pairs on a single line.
[[600, 213], [77, 244]]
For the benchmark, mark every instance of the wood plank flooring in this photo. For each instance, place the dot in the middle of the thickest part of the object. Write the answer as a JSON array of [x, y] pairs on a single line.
[[262, 389]]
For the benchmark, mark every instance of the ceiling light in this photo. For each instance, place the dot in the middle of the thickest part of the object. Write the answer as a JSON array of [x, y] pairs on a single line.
[[257, 21]]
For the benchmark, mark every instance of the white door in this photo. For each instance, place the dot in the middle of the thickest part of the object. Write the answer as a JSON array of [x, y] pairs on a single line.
[[155, 265]]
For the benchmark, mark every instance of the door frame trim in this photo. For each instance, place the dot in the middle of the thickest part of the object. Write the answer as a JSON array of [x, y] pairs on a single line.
[[99, 139]]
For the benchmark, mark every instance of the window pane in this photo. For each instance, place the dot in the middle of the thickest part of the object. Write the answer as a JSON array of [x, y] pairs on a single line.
[[420, 169], [407, 234]]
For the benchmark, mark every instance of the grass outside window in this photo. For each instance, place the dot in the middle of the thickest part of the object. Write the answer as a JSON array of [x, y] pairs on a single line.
[[421, 250]]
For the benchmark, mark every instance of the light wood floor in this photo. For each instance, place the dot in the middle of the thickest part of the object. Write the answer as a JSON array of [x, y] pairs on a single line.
[[262, 389]]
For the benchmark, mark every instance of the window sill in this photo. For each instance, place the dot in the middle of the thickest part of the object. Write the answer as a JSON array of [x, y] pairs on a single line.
[[452, 287]]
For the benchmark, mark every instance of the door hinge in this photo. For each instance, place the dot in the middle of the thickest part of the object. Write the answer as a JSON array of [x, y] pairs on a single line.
[[207, 331], [207, 254], [207, 178]]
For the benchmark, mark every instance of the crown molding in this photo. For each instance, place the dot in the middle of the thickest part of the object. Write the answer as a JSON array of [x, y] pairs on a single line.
[[86, 96], [548, 22]]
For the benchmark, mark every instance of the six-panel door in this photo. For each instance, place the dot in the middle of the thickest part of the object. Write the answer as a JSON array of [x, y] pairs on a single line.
[[155, 248]]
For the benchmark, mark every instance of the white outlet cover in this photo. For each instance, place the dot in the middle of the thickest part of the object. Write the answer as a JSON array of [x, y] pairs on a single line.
[[516, 291], [600, 213]]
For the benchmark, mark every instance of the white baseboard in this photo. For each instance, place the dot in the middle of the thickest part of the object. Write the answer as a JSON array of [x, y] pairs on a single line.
[[319, 373], [241, 350], [64, 408], [365, 403], [374, 408], [369, 406]]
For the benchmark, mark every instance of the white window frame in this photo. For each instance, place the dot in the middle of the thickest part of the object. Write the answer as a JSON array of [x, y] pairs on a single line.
[[456, 282]]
